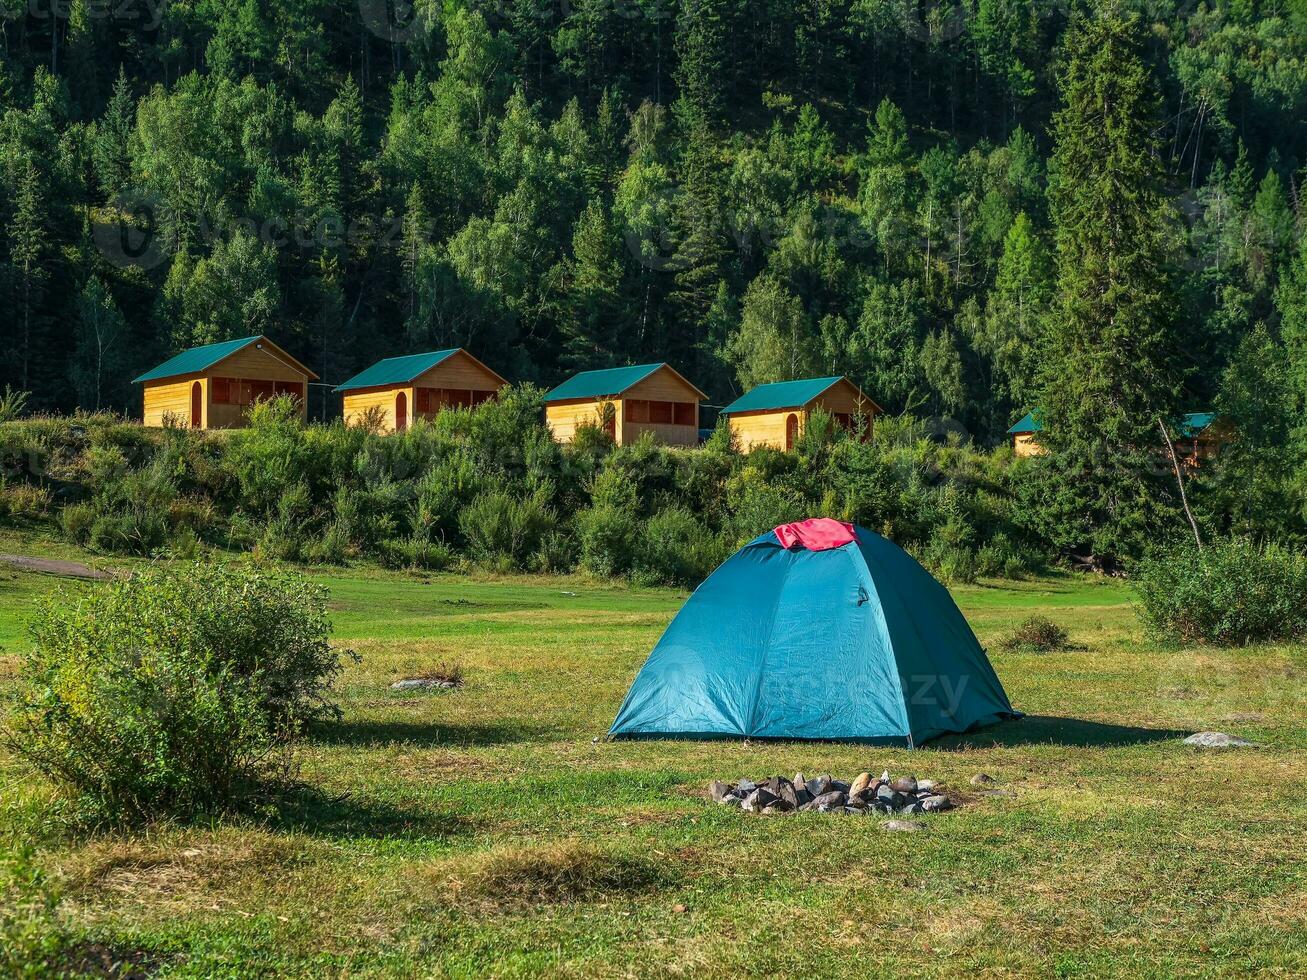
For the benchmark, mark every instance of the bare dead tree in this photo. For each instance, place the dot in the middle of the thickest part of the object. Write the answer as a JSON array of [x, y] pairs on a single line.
[[1179, 479]]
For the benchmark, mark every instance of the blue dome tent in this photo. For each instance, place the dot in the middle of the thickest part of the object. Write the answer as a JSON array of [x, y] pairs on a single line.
[[817, 630]]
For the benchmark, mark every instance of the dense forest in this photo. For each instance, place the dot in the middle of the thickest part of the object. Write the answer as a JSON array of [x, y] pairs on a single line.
[[972, 209]]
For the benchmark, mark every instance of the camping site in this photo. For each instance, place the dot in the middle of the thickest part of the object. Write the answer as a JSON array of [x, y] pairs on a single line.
[[653, 488]]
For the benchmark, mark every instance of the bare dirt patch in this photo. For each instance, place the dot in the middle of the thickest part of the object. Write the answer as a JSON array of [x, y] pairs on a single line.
[[55, 566]]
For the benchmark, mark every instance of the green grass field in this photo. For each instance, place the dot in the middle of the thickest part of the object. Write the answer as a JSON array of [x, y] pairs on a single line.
[[484, 830]]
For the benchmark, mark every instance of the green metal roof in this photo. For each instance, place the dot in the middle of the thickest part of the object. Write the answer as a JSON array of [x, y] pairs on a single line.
[[1189, 425], [602, 384], [1195, 423], [1027, 424], [396, 370], [196, 359], [781, 394]]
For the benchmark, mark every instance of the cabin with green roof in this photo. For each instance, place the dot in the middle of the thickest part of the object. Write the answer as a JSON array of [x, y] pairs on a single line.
[[1197, 436], [627, 402], [775, 414], [1025, 434], [214, 386], [394, 391]]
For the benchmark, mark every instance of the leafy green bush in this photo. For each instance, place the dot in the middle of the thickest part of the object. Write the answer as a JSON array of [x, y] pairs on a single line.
[[175, 690], [415, 552], [444, 490], [499, 526], [1230, 593], [33, 941], [676, 549], [609, 536]]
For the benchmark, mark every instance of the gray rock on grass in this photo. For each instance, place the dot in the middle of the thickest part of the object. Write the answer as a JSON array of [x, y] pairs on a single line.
[[420, 683], [902, 825], [1217, 740]]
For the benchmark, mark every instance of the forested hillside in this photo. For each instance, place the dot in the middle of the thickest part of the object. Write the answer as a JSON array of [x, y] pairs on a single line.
[[903, 192]]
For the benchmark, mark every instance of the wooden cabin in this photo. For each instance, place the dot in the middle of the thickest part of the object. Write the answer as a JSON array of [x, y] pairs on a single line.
[[775, 414], [214, 386], [1024, 436], [418, 386], [1199, 437], [628, 402]]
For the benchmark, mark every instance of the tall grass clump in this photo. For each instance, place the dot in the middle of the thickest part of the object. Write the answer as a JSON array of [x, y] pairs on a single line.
[[175, 691], [1230, 593]]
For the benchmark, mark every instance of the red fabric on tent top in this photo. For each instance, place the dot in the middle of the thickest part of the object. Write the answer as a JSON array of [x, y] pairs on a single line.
[[815, 534]]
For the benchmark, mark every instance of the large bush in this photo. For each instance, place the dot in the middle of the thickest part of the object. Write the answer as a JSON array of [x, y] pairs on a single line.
[[1230, 593], [176, 690]]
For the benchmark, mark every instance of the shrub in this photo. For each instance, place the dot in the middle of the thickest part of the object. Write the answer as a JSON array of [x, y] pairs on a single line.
[[175, 690], [33, 940], [415, 552], [953, 564], [676, 549], [1036, 634], [23, 500], [499, 526], [443, 490], [556, 554], [1230, 593], [12, 403], [76, 521], [609, 537]]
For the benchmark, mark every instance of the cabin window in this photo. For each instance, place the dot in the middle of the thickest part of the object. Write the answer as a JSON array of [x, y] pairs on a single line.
[[432, 400], [237, 391], [660, 413]]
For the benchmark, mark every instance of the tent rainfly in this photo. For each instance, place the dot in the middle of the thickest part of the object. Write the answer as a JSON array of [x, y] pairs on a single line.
[[817, 630]]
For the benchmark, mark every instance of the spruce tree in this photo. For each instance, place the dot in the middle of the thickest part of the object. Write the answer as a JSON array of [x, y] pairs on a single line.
[[1109, 368], [701, 63], [109, 148], [591, 319], [28, 275]]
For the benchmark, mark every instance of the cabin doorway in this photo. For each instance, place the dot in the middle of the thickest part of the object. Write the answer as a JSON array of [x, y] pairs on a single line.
[[401, 412], [197, 405], [791, 431]]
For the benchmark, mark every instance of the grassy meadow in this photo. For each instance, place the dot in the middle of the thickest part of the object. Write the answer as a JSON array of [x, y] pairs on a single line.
[[485, 831]]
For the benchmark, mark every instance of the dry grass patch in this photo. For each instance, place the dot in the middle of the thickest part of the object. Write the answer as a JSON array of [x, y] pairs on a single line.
[[153, 870], [555, 874]]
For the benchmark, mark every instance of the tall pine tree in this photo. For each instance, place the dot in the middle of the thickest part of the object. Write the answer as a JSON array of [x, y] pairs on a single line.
[[1109, 368]]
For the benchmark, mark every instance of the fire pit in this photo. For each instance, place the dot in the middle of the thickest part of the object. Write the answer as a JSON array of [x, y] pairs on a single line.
[[900, 795]]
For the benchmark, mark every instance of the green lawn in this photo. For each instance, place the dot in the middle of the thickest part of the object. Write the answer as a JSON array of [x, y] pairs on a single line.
[[485, 831]]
